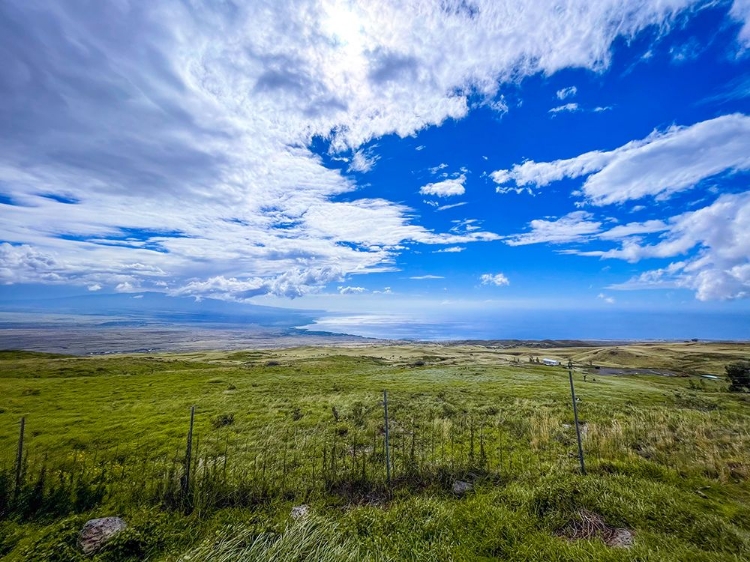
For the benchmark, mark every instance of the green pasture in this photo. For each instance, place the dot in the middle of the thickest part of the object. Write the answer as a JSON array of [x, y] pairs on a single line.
[[668, 458]]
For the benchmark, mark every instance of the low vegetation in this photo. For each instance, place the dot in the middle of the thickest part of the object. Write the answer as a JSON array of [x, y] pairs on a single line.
[[667, 457]]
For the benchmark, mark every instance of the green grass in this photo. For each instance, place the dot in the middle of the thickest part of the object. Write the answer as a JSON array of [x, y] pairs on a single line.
[[667, 458]]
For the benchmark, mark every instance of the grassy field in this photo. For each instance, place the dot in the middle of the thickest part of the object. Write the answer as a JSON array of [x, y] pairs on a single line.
[[668, 458]]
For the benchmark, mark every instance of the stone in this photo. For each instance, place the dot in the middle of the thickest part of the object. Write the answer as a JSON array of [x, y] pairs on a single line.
[[96, 532], [621, 538], [460, 487], [300, 511]]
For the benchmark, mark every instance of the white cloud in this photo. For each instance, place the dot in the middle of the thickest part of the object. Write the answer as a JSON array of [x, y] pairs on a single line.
[[605, 298], [499, 105], [633, 228], [125, 287], [176, 135], [659, 165], [445, 188], [572, 227], [579, 226], [717, 236], [420, 147], [498, 279], [351, 290], [95, 287], [741, 12], [568, 92], [291, 284], [568, 107], [435, 169], [422, 277], [363, 161], [452, 206], [450, 250]]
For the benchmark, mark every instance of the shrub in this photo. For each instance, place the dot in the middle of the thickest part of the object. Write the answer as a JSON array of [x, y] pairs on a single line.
[[739, 376], [222, 420]]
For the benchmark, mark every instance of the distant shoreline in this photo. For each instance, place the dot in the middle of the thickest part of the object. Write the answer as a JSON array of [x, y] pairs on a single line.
[[92, 337]]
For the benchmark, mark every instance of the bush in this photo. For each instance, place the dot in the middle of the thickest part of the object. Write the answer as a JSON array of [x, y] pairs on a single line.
[[222, 420], [739, 376]]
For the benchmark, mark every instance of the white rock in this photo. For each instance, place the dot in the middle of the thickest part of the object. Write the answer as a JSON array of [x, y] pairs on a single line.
[[300, 511], [96, 532]]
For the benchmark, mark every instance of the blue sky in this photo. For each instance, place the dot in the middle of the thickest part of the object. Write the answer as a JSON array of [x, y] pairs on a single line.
[[389, 158]]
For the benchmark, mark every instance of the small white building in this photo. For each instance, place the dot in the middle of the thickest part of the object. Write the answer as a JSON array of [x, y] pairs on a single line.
[[550, 362]]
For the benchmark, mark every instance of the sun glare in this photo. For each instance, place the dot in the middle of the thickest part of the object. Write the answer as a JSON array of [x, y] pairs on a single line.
[[343, 24]]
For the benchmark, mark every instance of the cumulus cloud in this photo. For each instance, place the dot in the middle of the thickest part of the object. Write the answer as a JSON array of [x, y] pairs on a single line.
[[497, 279], [176, 135], [351, 290], [445, 188], [605, 298], [659, 165]]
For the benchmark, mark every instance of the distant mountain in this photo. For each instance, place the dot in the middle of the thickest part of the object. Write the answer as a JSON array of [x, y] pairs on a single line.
[[149, 307]]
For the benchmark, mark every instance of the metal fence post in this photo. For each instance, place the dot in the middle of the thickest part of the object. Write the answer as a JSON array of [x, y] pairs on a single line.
[[575, 416], [387, 436], [188, 454], [19, 460]]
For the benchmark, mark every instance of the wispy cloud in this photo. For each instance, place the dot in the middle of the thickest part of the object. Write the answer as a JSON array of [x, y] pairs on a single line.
[[741, 12], [450, 250], [363, 161], [452, 206], [568, 107], [659, 165], [568, 92], [422, 277], [572, 227]]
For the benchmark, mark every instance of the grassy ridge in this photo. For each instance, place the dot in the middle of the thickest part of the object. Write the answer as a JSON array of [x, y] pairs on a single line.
[[668, 457]]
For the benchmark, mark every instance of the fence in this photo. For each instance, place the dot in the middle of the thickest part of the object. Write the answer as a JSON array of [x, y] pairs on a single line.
[[376, 451]]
